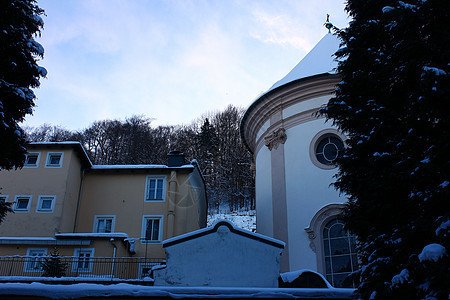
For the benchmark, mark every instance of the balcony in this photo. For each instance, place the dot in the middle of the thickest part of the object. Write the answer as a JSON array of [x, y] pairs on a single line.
[[82, 269]]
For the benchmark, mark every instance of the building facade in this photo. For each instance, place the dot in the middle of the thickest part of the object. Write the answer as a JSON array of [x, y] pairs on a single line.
[[294, 149], [60, 199]]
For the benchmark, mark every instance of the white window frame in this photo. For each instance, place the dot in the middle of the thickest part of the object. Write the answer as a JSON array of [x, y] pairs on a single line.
[[27, 165], [144, 228], [16, 199], [104, 217], [49, 155], [4, 198], [317, 139], [147, 188], [39, 208], [76, 256], [33, 262]]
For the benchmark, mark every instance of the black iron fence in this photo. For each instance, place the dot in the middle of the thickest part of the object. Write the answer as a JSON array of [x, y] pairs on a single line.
[[102, 268]]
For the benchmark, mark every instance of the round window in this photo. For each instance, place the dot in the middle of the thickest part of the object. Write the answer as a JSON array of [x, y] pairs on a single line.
[[328, 148]]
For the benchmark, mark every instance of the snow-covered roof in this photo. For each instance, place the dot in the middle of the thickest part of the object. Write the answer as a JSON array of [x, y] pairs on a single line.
[[122, 167], [75, 145], [41, 241], [92, 235], [318, 61], [234, 229]]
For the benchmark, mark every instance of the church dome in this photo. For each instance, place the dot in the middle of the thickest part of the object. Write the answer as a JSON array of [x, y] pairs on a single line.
[[319, 60], [314, 75]]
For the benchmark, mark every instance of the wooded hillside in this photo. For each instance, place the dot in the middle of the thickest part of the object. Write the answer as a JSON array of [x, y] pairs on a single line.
[[213, 140]]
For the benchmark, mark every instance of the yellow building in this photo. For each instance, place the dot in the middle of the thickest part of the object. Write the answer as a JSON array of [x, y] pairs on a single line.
[[60, 199]]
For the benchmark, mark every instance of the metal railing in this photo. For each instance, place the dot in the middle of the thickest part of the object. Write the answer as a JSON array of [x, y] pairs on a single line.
[[101, 268]]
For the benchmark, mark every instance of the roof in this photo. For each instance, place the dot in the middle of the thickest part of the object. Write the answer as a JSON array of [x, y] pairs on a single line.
[[318, 64], [205, 231], [139, 167], [78, 147], [92, 235], [318, 61], [69, 144]]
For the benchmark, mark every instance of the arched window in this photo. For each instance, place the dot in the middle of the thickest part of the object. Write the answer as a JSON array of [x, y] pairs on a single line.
[[339, 254]]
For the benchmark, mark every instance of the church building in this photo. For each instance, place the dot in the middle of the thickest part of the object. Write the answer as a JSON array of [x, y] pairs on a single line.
[[294, 152]]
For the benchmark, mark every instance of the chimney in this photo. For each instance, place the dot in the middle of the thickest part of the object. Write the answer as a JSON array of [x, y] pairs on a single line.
[[175, 158]]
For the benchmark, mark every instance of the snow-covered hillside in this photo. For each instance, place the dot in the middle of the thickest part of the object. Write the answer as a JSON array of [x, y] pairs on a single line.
[[242, 219]]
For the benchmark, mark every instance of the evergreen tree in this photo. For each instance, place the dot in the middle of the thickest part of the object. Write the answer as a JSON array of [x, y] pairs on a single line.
[[20, 21], [392, 103], [53, 265], [4, 209]]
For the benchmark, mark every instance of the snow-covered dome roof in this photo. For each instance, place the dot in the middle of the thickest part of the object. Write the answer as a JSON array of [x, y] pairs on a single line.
[[314, 75], [318, 61]]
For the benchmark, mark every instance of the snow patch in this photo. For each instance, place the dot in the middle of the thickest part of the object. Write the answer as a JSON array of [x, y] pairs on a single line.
[[444, 226], [242, 219], [387, 9], [444, 184], [80, 290], [432, 252], [400, 278], [289, 277]]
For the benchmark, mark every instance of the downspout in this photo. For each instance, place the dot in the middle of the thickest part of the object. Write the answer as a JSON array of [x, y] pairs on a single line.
[[114, 257], [172, 202], [80, 191]]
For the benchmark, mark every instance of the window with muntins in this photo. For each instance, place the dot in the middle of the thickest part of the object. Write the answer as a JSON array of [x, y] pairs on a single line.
[[328, 148], [339, 254], [152, 229], [35, 257], [83, 260], [156, 188], [104, 224]]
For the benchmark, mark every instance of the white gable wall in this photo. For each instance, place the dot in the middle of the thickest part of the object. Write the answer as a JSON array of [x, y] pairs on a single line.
[[221, 258]]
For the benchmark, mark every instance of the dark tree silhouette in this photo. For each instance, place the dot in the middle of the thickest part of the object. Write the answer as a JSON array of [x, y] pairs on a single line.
[[20, 21], [393, 105]]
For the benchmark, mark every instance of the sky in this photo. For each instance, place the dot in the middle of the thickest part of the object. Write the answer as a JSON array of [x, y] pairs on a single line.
[[171, 61]]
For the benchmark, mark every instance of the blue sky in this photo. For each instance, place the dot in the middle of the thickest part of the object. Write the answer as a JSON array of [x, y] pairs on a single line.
[[171, 61]]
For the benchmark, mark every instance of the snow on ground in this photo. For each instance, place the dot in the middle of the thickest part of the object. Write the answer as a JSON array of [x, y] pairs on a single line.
[[242, 219], [128, 290]]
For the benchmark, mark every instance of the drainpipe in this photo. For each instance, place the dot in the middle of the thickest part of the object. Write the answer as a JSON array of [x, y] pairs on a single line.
[[114, 257], [80, 191], [172, 202]]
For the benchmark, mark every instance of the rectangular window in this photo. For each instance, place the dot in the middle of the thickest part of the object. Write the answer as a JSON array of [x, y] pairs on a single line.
[[83, 260], [54, 160], [32, 160], [22, 203], [152, 229], [155, 188], [46, 204], [104, 224], [3, 199], [35, 257]]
